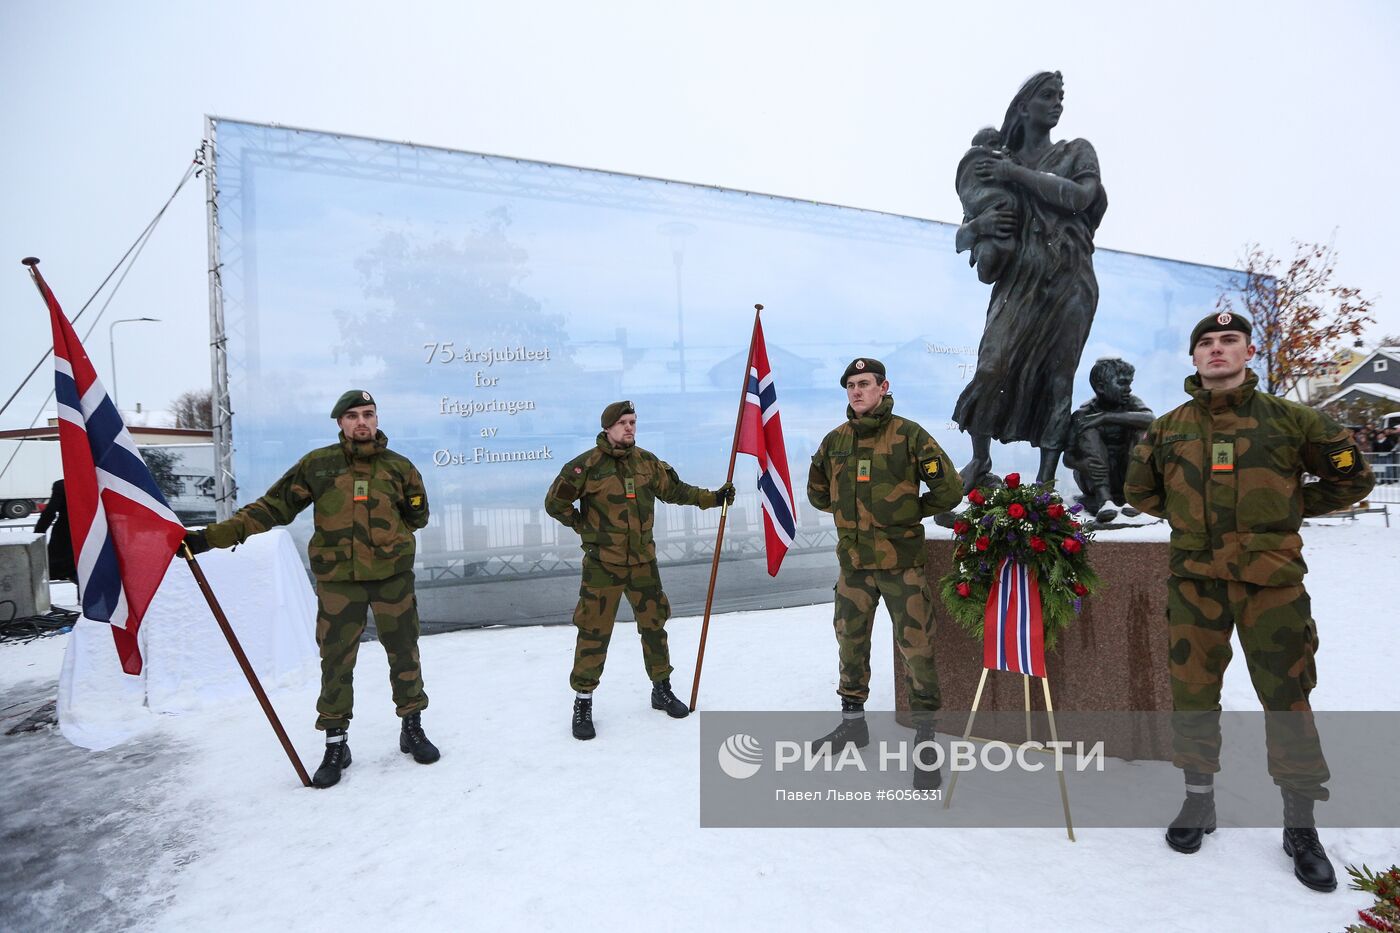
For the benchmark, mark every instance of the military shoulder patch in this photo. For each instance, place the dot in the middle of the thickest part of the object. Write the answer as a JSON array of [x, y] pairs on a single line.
[[1344, 460], [415, 502], [933, 467]]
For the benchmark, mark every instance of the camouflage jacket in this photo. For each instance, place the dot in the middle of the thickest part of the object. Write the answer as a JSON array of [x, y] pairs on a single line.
[[867, 474], [616, 489], [1226, 470], [369, 500]]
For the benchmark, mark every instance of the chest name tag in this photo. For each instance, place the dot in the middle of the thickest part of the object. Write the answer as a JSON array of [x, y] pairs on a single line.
[[1222, 457], [361, 490], [630, 485], [863, 471]]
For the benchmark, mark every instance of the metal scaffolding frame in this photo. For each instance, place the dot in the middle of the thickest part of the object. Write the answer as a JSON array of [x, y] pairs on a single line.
[[225, 489]]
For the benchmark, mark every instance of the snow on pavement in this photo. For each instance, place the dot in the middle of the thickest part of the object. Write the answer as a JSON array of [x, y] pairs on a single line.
[[200, 823]]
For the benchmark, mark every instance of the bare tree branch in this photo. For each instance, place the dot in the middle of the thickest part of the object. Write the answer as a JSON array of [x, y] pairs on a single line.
[[1301, 317]]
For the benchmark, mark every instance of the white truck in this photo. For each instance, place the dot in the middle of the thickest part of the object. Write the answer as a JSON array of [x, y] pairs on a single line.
[[27, 471], [184, 472]]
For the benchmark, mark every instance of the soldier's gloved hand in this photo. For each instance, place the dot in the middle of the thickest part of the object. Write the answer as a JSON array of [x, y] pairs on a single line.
[[725, 494], [196, 541]]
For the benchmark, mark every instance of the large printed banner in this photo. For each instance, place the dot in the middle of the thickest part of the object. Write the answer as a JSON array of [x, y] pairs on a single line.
[[495, 306]]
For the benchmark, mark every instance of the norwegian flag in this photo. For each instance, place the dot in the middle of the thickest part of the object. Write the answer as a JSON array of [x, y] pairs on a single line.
[[124, 533], [761, 434], [1013, 630]]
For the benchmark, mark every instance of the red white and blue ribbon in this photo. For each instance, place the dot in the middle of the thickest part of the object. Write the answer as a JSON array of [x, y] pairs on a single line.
[[1013, 628]]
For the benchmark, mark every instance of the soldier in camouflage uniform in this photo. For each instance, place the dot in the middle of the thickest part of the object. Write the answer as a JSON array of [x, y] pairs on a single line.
[[616, 485], [1226, 470], [368, 502], [867, 474]]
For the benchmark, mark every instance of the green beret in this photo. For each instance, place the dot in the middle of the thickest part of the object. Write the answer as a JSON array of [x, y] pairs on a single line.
[[615, 411], [352, 399], [1213, 323], [861, 365]]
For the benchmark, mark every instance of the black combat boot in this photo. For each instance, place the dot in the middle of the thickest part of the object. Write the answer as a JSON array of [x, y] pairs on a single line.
[[412, 739], [1310, 863], [852, 731], [336, 760], [924, 731], [1197, 816], [583, 716], [663, 698]]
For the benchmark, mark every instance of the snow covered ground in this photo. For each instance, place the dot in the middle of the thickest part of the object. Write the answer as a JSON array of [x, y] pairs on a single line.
[[200, 824]]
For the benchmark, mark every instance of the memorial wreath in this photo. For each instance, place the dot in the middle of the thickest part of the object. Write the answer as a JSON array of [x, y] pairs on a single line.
[[1029, 524]]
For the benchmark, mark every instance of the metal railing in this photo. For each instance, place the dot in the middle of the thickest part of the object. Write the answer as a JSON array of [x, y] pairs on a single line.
[[1386, 467], [466, 544]]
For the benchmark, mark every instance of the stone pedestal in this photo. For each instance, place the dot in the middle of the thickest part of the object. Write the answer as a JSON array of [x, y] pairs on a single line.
[[1113, 657]]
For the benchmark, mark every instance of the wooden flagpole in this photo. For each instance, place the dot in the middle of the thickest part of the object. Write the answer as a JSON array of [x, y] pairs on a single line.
[[724, 511], [242, 658]]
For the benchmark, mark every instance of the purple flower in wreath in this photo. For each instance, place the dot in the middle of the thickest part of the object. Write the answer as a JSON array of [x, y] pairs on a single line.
[[1079, 536], [984, 566], [1076, 508], [1034, 517], [987, 520], [1078, 605]]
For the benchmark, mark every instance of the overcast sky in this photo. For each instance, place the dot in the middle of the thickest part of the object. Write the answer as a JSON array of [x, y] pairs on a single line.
[[1216, 124]]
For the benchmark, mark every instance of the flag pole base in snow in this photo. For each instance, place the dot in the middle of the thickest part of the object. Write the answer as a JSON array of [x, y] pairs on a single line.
[[1054, 737], [242, 659]]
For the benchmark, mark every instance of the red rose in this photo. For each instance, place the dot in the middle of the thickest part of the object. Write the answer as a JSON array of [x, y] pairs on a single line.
[[976, 497], [1013, 480], [984, 542], [960, 527], [1016, 510], [1037, 545], [964, 590], [1055, 510], [1071, 546], [1079, 588]]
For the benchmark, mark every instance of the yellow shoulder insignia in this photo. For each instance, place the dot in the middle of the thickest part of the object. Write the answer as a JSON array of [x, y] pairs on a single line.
[[1344, 460], [933, 467]]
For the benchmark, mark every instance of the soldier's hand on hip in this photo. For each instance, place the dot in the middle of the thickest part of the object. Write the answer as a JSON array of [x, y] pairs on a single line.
[[725, 494]]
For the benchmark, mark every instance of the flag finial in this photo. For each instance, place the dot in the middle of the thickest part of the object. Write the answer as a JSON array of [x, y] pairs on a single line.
[[30, 260]]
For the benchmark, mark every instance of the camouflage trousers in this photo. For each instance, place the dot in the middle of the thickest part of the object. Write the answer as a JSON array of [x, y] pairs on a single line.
[[1279, 639], [598, 597], [340, 622], [910, 604]]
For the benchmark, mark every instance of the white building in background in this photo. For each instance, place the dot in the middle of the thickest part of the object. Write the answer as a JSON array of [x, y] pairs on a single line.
[[1376, 375]]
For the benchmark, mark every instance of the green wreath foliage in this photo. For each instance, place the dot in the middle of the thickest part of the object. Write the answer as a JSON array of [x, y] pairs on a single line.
[[1028, 523]]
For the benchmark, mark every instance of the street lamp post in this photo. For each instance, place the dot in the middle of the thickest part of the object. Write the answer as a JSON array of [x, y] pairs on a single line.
[[112, 345], [677, 231]]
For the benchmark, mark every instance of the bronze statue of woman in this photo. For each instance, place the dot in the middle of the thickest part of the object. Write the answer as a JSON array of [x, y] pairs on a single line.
[[1045, 293]]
